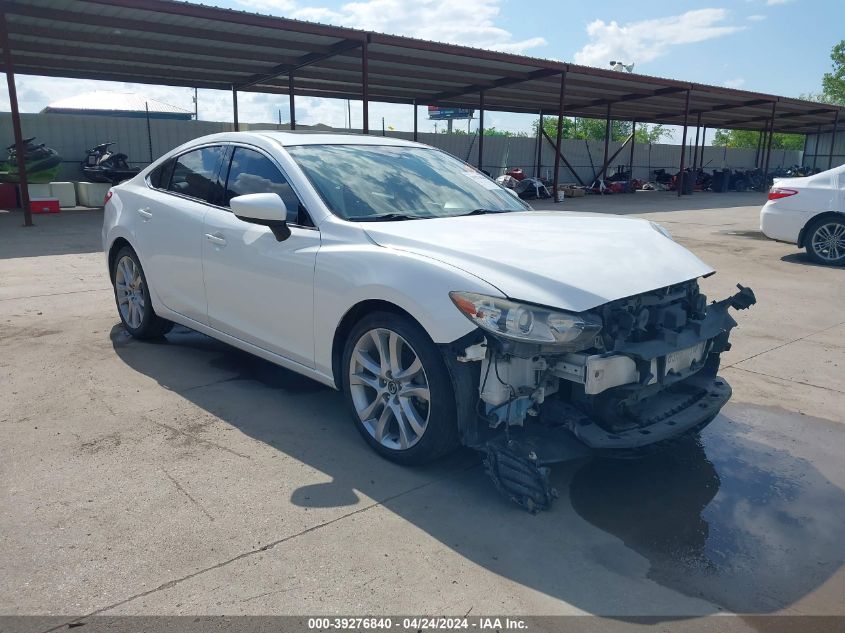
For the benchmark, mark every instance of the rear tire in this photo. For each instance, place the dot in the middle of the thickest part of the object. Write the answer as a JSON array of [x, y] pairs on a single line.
[[132, 296], [398, 389], [825, 241]]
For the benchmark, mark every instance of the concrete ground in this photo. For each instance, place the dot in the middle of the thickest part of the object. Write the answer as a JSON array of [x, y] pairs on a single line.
[[186, 477]]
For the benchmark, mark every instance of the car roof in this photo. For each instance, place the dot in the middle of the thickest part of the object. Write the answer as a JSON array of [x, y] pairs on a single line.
[[288, 139]]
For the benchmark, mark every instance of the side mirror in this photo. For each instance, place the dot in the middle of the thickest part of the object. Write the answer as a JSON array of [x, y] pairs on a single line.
[[266, 209]]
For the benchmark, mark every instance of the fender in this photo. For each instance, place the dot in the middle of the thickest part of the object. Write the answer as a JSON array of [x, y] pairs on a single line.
[[347, 275]]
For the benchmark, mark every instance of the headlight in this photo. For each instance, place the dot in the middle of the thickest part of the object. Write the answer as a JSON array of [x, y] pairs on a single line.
[[661, 229], [528, 323]]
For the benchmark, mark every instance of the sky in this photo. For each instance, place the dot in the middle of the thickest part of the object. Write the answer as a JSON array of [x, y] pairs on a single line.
[[774, 46]]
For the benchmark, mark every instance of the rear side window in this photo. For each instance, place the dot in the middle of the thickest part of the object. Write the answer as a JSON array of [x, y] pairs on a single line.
[[195, 173], [252, 172], [160, 176]]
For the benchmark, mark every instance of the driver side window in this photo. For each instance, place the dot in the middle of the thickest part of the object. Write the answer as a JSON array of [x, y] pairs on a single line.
[[252, 172]]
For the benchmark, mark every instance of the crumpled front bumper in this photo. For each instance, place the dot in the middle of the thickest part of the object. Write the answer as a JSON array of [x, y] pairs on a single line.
[[666, 416]]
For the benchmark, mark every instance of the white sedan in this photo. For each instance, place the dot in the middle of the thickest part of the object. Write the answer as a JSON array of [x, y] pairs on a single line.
[[446, 310], [810, 212]]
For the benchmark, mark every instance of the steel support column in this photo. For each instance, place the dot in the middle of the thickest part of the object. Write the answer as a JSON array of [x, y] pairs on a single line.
[[365, 85], [680, 180], [769, 143], [292, 102], [415, 120], [695, 150], [633, 144], [607, 130], [539, 147], [832, 140], [757, 153], [16, 121], [566, 162], [559, 138], [480, 129], [816, 145], [235, 108], [703, 140]]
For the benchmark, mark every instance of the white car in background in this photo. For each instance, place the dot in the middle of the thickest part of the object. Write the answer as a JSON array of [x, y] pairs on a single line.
[[446, 310], [809, 211]]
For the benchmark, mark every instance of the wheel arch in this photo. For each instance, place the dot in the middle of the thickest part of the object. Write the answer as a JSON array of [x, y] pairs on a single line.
[[348, 321], [826, 215], [114, 249], [464, 376]]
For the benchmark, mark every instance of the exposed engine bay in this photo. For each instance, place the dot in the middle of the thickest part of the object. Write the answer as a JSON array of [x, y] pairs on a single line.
[[645, 374]]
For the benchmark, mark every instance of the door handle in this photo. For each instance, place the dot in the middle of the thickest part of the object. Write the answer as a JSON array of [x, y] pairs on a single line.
[[145, 213], [216, 239]]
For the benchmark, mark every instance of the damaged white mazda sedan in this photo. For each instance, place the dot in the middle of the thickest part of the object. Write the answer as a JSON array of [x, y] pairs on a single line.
[[445, 309]]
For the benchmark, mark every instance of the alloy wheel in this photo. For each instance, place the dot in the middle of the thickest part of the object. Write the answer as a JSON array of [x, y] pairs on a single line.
[[389, 389], [129, 286], [828, 241]]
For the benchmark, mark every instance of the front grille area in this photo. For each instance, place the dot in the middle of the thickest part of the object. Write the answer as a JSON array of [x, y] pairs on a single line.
[[648, 316]]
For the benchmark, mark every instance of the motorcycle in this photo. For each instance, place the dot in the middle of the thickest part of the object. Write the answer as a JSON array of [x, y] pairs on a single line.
[[516, 173], [797, 171], [739, 181], [663, 177], [42, 163], [532, 189], [103, 165]]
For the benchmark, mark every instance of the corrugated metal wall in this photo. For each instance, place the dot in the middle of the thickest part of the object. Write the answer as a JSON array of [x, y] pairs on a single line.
[[71, 135], [586, 157], [818, 149]]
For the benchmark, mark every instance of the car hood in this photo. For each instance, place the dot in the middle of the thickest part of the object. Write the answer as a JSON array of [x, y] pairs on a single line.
[[550, 258]]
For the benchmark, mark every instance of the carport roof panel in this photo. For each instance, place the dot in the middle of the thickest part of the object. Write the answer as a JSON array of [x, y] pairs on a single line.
[[193, 45]]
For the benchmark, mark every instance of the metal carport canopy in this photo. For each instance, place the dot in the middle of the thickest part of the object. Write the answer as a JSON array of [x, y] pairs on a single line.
[[181, 44]]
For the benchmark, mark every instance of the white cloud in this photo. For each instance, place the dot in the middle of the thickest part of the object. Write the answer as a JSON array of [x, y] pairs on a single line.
[[739, 82], [469, 22], [756, 17], [772, 3], [646, 40]]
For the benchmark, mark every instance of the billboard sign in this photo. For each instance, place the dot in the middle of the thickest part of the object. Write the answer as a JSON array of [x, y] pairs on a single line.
[[436, 113]]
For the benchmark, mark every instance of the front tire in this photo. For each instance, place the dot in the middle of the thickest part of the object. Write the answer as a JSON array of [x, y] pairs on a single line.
[[132, 295], [825, 241], [398, 389]]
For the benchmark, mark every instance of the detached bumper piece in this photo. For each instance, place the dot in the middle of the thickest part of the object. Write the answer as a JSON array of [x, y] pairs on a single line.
[[516, 472], [685, 408]]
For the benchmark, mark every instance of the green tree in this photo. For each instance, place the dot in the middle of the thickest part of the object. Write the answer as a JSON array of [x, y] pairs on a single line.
[[833, 83], [818, 97], [748, 139], [488, 131], [651, 134], [594, 129], [492, 131]]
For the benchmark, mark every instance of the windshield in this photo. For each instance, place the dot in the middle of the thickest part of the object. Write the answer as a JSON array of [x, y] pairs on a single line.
[[382, 182]]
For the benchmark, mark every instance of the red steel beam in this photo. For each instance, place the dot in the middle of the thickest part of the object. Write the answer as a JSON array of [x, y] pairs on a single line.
[[833, 140], [559, 136], [680, 180], [365, 86], [20, 150]]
